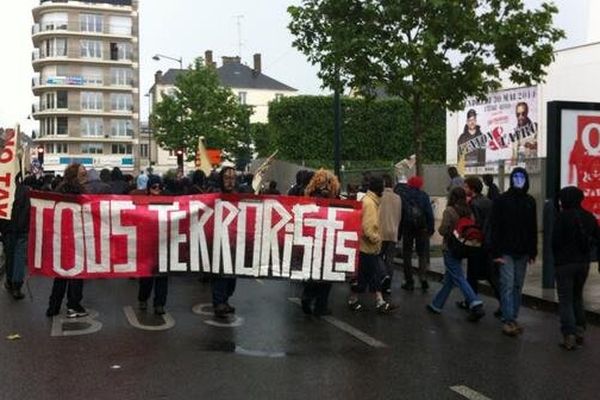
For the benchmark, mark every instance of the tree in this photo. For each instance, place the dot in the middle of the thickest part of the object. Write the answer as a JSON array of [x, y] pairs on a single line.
[[200, 106], [431, 53]]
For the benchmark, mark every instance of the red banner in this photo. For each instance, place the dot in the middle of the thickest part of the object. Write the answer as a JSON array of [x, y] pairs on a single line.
[[110, 236]]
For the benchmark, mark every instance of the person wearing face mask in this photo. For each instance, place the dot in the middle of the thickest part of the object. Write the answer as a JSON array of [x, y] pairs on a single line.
[[513, 245]]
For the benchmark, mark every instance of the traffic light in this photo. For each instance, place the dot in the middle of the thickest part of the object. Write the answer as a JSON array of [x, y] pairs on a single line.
[[180, 159], [40, 154]]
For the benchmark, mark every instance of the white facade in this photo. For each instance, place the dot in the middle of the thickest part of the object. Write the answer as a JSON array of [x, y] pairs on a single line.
[[573, 76]]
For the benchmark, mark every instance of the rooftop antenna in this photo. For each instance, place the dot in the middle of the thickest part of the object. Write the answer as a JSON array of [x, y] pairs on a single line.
[[239, 31]]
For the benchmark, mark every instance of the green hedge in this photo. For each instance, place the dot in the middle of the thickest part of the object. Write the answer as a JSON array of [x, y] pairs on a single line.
[[302, 129]]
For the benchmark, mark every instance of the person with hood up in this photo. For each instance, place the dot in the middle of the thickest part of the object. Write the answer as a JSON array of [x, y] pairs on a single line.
[[94, 185], [573, 238], [513, 245]]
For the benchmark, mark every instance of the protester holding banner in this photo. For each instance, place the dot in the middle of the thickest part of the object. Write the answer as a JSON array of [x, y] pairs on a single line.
[[160, 283], [14, 237], [75, 177], [315, 296], [224, 287]]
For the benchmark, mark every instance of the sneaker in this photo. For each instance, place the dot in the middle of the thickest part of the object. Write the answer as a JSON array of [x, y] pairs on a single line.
[[569, 342], [462, 305], [509, 329], [424, 286], [408, 286], [17, 294], [230, 309], [355, 305], [52, 311], [476, 313], [77, 313], [142, 305], [159, 310], [385, 308], [220, 311], [518, 327], [387, 291]]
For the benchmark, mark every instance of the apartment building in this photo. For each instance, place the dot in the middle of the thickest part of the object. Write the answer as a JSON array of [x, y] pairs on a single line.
[[86, 81]]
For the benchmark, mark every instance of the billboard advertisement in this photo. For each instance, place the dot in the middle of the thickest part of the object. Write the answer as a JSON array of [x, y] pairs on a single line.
[[503, 126]]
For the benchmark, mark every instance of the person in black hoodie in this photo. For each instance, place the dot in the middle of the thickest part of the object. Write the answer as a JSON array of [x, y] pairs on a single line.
[[513, 245], [573, 238]]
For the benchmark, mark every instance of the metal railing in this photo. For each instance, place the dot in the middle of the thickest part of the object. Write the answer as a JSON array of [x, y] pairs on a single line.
[[79, 80], [76, 55], [107, 29]]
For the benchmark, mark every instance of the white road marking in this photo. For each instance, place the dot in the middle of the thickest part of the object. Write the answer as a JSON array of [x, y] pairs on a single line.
[[206, 309], [349, 329], [59, 322], [260, 281], [133, 320], [469, 393], [258, 353]]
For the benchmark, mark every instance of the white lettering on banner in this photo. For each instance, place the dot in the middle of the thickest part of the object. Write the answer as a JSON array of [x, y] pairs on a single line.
[[240, 245], [200, 213], [176, 239], [104, 239], [305, 241], [129, 231], [59, 235], [586, 139], [270, 244], [163, 235], [39, 206], [221, 244]]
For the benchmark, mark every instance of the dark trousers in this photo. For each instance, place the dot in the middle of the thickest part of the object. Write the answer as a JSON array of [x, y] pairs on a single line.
[[570, 279], [420, 241], [369, 274], [317, 292], [388, 251], [481, 268], [73, 288], [161, 288], [222, 289]]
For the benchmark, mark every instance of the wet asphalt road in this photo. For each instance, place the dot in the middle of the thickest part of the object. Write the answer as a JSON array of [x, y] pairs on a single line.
[[275, 352]]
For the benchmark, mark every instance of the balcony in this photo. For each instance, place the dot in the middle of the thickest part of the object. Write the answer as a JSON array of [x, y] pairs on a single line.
[[95, 82], [40, 59], [39, 31]]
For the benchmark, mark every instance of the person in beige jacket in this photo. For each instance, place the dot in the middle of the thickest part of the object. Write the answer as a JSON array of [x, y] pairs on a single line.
[[390, 212], [370, 248]]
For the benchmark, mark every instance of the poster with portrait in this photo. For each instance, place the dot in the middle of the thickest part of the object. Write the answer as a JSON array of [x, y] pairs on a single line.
[[580, 155], [503, 126]]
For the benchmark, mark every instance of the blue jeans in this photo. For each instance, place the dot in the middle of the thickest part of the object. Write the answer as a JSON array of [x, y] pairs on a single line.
[[512, 276], [16, 257], [454, 276]]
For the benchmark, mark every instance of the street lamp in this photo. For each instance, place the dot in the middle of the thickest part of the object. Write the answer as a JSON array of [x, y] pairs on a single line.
[[157, 57]]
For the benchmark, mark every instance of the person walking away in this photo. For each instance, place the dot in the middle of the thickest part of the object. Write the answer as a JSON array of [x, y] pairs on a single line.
[[493, 192], [75, 177], [574, 236], [417, 228], [513, 245], [390, 213], [457, 208], [142, 181], [223, 287], [479, 263], [370, 249], [160, 283], [455, 179]]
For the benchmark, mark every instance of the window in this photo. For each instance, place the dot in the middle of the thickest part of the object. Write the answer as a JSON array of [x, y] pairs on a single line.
[[49, 103], [143, 150], [121, 51], [62, 126], [92, 148], [91, 127], [242, 97], [91, 101], [92, 76], [90, 22], [121, 149], [91, 48], [121, 127], [56, 47], [121, 102], [278, 96], [62, 99], [120, 25], [58, 148], [47, 127], [51, 21], [121, 76]]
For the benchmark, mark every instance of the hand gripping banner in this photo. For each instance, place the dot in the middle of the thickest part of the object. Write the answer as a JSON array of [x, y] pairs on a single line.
[[110, 236]]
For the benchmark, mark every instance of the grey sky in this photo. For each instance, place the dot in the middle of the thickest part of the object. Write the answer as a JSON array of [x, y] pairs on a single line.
[[187, 28]]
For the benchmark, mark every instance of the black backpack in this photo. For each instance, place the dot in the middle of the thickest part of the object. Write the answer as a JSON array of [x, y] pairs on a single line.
[[413, 215]]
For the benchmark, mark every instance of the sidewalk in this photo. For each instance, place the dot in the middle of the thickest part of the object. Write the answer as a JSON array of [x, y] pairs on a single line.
[[536, 297]]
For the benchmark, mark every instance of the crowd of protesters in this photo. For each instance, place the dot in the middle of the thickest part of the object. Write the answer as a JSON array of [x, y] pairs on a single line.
[[397, 220]]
